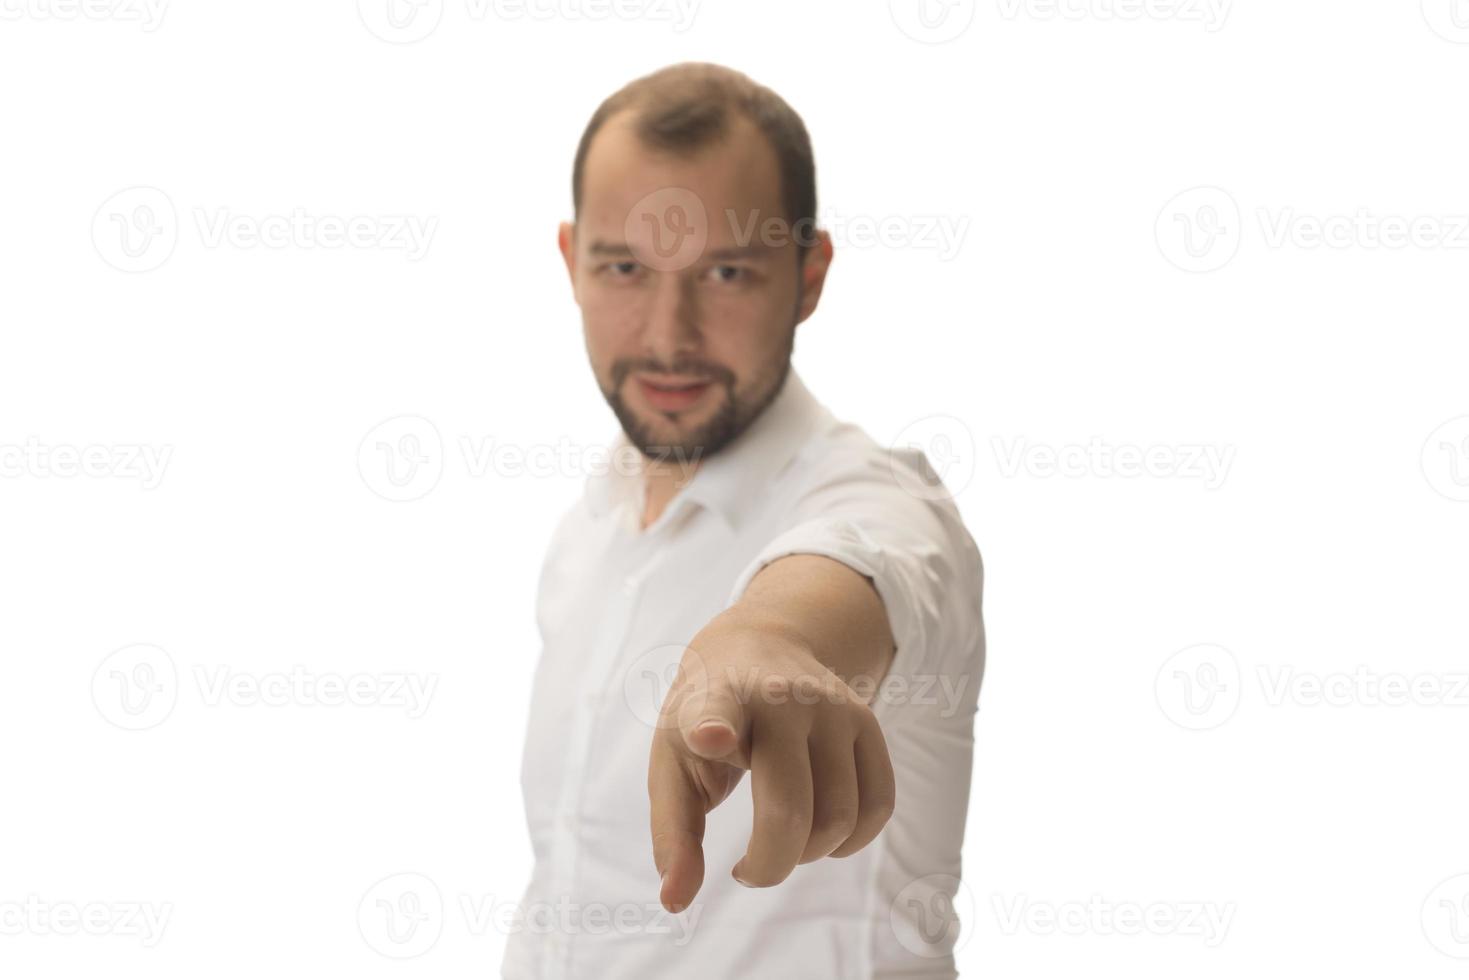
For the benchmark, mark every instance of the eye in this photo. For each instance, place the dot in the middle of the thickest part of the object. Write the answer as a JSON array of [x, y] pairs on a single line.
[[625, 269], [729, 273]]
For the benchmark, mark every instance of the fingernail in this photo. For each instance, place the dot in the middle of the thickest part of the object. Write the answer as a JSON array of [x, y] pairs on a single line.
[[735, 873], [673, 907], [710, 727]]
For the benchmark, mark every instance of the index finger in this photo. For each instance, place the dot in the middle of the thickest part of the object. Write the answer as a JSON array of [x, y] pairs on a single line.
[[676, 812]]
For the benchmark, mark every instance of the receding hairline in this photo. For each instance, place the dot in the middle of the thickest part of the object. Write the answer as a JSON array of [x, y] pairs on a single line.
[[687, 107]]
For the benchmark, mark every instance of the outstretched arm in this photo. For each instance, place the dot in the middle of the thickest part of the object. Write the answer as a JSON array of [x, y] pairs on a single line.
[[777, 684]]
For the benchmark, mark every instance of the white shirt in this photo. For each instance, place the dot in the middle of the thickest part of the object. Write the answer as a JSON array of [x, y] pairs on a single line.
[[616, 607]]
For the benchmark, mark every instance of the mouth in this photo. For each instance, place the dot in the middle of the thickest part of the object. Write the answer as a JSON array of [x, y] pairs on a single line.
[[672, 394]]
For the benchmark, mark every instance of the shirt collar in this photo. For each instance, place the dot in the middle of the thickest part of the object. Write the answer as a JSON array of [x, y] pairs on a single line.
[[729, 482]]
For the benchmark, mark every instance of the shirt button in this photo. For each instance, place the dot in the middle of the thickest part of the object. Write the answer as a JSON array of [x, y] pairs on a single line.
[[630, 585]]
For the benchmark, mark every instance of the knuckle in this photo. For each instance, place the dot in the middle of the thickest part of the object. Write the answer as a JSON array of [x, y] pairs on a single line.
[[776, 688], [882, 806], [785, 818], [838, 820]]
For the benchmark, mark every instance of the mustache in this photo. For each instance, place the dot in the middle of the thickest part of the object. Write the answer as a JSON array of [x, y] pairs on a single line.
[[703, 369]]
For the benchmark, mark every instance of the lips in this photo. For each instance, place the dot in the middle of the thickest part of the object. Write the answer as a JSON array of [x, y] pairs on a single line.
[[672, 393]]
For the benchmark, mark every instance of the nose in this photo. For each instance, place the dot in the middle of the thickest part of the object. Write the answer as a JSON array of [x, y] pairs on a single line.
[[671, 329]]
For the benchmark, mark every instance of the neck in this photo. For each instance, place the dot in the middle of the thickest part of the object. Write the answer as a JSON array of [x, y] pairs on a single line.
[[662, 480]]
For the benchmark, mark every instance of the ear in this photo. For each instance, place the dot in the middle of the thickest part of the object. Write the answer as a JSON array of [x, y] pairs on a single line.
[[814, 265], [566, 242]]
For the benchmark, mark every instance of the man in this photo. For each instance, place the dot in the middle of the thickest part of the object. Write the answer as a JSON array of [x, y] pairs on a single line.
[[766, 591]]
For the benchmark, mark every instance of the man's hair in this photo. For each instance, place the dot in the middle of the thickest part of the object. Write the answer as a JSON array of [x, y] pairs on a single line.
[[685, 107]]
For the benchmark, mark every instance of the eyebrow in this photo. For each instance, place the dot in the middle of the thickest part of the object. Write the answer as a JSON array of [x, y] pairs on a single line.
[[622, 250], [740, 252]]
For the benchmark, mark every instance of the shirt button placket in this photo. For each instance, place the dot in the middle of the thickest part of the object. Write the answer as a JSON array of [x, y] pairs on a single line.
[[616, 623]]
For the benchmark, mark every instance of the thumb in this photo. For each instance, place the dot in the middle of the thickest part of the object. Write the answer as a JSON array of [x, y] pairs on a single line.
[[712, 720]]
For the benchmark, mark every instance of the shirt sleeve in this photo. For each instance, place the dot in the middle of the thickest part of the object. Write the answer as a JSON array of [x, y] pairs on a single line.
[[916, 551]]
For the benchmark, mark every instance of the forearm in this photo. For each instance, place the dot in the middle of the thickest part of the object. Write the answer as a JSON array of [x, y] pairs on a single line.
[[780, 684], [826, 606]]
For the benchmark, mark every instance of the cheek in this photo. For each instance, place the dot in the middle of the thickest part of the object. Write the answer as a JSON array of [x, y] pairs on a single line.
[[755, 321], [611, 317]]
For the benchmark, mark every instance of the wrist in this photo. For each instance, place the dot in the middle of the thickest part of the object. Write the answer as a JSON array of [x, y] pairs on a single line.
[[754, 632]]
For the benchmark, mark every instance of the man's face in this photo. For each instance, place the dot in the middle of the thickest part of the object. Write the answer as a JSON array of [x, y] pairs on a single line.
[[689, 302]]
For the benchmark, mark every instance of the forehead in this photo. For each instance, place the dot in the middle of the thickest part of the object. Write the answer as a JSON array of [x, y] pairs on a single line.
[[738, 171]]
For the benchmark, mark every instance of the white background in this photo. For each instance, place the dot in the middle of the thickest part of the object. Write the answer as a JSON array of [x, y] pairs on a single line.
[[1153, 738]]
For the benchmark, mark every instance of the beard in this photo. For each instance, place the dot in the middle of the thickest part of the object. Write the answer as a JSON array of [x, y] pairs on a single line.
[[736, 411]]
